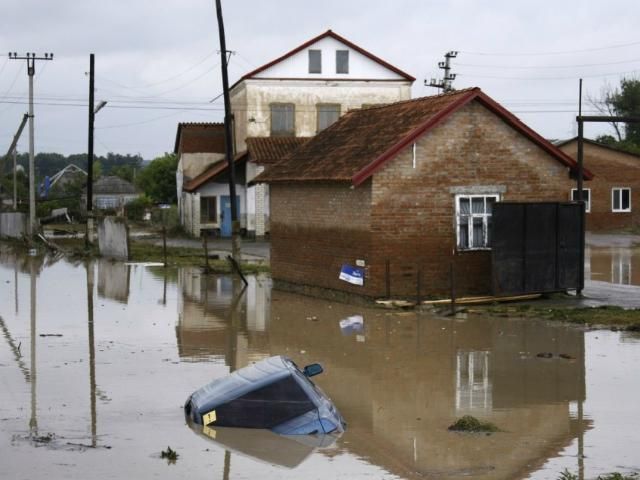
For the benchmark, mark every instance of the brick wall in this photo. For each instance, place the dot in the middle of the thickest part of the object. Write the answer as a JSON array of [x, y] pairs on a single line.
[[611, 169], [406, 215], [315, 228]]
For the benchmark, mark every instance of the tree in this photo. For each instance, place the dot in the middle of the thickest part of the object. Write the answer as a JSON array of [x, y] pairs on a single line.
[[623, 101], [158, 179]]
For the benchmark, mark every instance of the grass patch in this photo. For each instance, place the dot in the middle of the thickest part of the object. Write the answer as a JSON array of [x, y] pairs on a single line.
[[182, 256], [605, 315], [469, 423], [567, 475]]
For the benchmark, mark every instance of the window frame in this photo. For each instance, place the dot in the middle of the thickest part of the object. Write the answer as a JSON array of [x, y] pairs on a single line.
[[313, 51], [283, 133], [338, 72], [213, 200], [471, 216], [321, 105], [587, 203], [613, 196]]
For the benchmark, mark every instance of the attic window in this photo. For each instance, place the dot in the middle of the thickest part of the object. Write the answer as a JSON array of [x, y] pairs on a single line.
[[342, 61], [315, 61]]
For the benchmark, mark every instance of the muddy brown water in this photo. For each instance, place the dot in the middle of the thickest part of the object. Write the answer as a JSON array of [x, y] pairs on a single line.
[[97, 360]]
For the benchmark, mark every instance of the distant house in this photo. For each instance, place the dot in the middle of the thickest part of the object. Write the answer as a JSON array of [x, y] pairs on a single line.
[[296, 95], [410, 185], [113, 192], [613, 197], [71, 174]]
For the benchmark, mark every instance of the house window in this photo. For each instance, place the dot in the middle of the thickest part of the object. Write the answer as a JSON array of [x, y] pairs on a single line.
[[106, 202], [586, 196], [327, 114], [282, 119], [342, 61], [620, 199], [473, 220], [208, 210], [315, 61]]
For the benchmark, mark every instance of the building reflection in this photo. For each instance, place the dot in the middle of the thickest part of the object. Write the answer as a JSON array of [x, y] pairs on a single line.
[[113, 280], [404, 378], [615, 265]]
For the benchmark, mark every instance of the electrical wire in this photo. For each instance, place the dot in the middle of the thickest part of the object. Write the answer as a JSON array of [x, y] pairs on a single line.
[[537, 67], [574, 77], [541, 54]]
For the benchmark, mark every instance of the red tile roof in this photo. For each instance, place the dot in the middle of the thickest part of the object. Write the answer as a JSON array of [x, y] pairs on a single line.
[[212, 172], [269, 150], [200, 138], [362, 141], [328, 33]]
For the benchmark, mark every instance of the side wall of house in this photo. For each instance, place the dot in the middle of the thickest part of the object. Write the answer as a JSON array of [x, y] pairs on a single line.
[[315, 228], [413, 203], [611, 170]]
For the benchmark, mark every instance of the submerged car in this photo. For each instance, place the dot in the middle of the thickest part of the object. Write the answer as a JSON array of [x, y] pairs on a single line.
[[273, 394]]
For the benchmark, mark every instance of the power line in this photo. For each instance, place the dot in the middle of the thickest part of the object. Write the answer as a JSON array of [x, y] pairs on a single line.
[[537, 67], [540, 54], [575, 77]]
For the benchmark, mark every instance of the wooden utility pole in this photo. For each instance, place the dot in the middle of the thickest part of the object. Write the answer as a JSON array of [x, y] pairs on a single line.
[[89, 233], [13, 150], [31, 71], [228, 139]]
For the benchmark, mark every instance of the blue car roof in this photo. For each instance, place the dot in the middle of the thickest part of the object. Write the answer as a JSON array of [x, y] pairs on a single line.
[[247, 379]]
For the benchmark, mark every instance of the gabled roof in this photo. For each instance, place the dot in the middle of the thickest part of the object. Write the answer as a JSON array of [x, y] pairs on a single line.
[[112, 184], [328, 33], [562, 143], [203, 137], [269, 150], [212, 172], [362, 141]]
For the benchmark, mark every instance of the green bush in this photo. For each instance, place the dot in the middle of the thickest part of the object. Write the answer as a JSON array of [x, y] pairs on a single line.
[[136, 209]]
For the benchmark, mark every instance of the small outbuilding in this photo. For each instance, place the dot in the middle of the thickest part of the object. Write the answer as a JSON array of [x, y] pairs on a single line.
[[393, 197], [613, 197]]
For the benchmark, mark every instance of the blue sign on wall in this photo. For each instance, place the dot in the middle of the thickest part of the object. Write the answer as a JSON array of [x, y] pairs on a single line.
[[352, 275]]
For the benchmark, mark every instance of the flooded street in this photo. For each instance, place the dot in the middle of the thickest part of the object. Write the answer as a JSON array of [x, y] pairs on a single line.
[[96, 362]]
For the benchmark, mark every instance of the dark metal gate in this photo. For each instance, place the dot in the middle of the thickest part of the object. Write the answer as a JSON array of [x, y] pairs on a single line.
[[537, 247]]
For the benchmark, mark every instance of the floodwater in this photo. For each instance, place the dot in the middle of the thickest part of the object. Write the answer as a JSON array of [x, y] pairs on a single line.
[[96, 361], [618, 265]]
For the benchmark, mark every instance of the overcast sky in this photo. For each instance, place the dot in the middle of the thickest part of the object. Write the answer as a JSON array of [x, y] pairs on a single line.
[[156, 60]]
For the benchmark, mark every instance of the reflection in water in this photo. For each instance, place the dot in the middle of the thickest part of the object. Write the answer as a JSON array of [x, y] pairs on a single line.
[[399, 378], [619, 265], [287, 451], [473, 385], [113, 280], [401, 388]]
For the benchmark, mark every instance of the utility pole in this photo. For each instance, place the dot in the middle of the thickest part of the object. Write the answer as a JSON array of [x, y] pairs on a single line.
[[446, 83], [31, 70], [235, 223], [89, 235], [13, 149]]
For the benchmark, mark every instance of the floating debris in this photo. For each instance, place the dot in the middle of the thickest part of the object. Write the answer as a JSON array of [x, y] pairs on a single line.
[[170, 454]]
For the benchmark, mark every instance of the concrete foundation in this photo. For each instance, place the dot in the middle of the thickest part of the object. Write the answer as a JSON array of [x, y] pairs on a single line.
[[113, 238], [13, 225]]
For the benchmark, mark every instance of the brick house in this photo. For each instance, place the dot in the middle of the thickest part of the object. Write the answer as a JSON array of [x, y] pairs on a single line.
[[404, 187], [613, 197]]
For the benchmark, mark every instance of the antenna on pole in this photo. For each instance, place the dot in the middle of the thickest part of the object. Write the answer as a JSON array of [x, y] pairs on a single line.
[[445, 84]]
